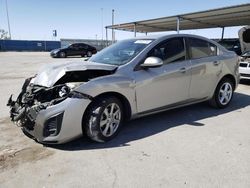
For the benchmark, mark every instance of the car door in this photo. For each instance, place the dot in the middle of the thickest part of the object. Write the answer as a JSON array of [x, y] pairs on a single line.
[[205, 67], [75, 49], [82, 49], [167, 85]]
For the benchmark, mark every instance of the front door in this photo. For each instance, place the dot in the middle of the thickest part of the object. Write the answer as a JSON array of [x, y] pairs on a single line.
[[167, 85]]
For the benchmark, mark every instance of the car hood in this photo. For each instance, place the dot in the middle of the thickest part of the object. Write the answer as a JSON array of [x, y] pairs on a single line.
[[50, 74], [244, 35], [58, 49]]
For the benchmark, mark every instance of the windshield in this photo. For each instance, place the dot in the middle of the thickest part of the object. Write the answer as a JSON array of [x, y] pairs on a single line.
[[121, 53]]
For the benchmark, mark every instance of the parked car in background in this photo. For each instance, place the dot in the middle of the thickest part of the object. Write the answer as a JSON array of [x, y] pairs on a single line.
[[231, 44], [129, 79], [76, 49], [244, 36], [245, 66]]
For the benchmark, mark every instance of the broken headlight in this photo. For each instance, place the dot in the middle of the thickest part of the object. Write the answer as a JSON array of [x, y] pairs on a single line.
[[64, 91], [78, 95]]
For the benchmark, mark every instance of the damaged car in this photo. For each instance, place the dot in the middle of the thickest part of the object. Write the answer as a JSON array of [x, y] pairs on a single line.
[[244, 35], [129, 79]]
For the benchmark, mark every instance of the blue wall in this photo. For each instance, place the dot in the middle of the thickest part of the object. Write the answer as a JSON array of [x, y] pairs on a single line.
[[25, 45]]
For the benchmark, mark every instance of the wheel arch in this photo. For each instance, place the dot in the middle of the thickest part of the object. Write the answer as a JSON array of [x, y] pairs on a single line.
[[231, 77], [125, 102]]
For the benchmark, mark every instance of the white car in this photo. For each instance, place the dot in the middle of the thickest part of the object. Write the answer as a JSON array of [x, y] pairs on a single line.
[[244, 68], [244, 36]]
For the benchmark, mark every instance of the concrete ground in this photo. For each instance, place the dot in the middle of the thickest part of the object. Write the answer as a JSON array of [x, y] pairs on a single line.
[[195, 146]]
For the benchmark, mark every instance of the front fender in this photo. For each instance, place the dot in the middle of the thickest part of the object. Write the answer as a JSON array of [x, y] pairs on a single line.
[[113, 83]]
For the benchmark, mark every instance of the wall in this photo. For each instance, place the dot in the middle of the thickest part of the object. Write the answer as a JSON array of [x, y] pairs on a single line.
[[25, 45]]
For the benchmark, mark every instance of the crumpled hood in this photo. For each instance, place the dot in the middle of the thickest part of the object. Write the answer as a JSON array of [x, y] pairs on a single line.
[[50, 74]]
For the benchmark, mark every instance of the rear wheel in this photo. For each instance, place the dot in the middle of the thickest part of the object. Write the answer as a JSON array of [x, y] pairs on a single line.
[[103, 119], [223, 94]]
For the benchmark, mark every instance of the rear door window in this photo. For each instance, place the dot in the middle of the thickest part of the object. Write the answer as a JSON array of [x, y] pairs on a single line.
[[200, 48]]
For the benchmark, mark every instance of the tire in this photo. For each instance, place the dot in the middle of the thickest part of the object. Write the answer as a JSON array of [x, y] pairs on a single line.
[[62, 54], [89, 54], [99, 123], [223, 94]]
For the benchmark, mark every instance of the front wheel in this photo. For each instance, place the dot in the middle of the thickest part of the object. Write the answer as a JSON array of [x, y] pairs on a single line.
[[89, 53], [223, 94], [103, 119], [62, 54]]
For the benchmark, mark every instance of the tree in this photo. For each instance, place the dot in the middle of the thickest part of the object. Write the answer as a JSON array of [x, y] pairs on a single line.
[[3, 34]]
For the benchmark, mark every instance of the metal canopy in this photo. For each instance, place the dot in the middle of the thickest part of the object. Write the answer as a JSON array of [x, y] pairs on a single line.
[[223, 17]]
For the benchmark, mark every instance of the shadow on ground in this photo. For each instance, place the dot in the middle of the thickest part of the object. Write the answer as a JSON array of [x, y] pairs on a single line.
[[154, 124]]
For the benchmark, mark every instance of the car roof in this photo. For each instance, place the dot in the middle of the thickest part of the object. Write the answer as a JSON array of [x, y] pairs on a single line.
[[162, 36]]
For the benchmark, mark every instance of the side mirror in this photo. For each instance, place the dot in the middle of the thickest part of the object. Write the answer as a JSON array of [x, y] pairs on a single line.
[[152, 62]]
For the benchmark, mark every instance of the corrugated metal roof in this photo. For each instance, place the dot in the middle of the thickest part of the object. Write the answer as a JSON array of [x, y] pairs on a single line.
[[223, 17]]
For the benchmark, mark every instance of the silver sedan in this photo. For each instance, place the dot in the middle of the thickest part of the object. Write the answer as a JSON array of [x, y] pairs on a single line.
[[127, 80]]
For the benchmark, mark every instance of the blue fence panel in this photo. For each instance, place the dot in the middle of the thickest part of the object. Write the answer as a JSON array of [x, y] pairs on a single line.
[[25, 45]]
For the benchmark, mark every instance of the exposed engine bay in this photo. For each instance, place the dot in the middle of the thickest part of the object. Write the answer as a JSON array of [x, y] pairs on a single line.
[[34, 98]]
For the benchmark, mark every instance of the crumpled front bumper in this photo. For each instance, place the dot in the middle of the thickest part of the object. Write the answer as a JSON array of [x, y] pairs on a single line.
[[56, 121], [71, 110]]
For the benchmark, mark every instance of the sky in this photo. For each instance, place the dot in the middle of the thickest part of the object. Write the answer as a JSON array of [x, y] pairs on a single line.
[[85, 19]]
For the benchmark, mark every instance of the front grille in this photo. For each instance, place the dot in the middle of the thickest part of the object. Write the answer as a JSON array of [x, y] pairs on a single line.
[[245, 75], [243, 64]]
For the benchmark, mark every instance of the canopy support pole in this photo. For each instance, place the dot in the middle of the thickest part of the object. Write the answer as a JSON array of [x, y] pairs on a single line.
[[134, 29], [222, 34], [178, 25], [113, 21], [106, 36]]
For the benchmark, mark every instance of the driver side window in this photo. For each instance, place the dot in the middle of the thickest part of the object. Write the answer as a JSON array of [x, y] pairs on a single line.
[[169, 51], [75, 45]]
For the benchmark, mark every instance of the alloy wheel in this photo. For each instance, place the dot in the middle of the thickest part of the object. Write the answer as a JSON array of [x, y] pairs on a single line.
[[110, 119], [225, 93]]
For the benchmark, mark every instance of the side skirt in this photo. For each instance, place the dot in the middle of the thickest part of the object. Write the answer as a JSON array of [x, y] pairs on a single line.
[[169, 107]]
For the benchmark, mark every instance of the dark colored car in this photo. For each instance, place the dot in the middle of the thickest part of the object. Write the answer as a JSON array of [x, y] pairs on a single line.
[[231, 44], [75, 49]]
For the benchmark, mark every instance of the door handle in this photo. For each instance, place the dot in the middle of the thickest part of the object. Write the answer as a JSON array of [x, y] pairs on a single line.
[[216, 63], [183, 70]]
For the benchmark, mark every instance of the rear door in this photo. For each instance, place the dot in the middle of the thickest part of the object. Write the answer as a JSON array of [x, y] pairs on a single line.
[[206, 67]]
